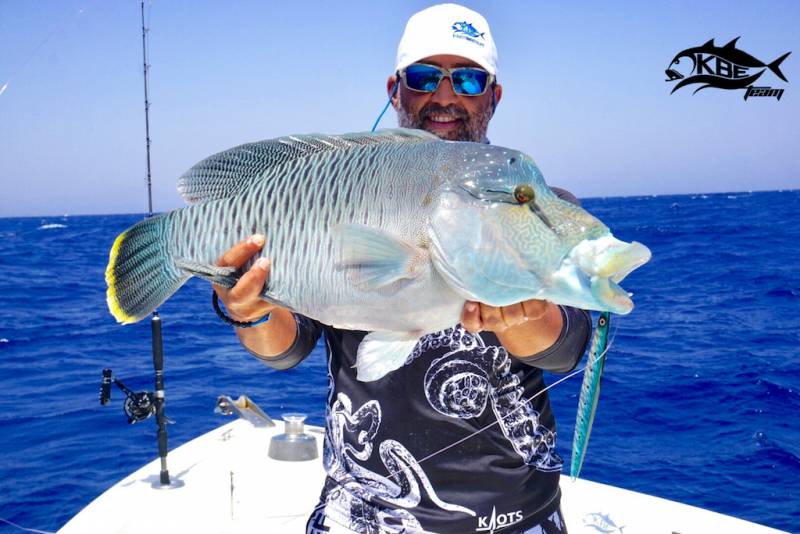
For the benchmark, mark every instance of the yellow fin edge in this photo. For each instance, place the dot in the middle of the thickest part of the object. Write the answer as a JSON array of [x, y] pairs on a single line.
[[111, 293]]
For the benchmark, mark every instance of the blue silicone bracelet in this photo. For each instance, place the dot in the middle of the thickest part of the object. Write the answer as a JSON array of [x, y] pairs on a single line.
[[233, 322]]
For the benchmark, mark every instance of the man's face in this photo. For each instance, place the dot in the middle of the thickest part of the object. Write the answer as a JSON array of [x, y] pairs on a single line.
[[444, 113]]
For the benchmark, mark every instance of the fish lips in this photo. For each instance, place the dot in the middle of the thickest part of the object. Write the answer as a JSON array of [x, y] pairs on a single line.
[[606, 261]]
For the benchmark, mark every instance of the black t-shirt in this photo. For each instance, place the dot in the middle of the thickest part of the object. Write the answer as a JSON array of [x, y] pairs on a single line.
[[449, 442]]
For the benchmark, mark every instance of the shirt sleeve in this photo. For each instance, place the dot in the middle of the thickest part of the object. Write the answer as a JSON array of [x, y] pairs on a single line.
[[566, 352], [308, 332]]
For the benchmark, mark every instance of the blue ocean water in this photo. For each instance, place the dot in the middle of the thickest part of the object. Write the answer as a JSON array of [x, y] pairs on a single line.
[[700, 398]]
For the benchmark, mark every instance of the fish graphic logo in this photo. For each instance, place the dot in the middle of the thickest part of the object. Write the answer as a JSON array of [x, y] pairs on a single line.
[[602, 523], [725, 67], [467, 29]]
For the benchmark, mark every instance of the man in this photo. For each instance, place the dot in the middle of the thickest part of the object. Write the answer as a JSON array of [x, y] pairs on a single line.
[[449, 442]]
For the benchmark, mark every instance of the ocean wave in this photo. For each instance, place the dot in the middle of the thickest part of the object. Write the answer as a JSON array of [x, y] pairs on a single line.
[[774, 451], [784, 292], [781, 393]]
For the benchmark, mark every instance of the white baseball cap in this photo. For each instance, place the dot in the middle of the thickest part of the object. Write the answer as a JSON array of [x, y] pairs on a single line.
[[447, 29]]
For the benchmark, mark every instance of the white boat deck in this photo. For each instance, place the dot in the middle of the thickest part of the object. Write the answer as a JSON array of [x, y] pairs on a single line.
[[230, 485]]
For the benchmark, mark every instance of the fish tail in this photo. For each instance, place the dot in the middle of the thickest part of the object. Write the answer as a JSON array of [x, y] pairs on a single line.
[[774, 67], [141, 272]]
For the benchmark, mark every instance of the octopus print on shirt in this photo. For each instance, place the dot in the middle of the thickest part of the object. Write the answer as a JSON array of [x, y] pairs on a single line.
[[386, 476]]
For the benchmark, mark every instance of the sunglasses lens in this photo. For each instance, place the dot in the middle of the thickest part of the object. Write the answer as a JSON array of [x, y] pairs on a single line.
[[469, 81], [466, 81], [423, 77]]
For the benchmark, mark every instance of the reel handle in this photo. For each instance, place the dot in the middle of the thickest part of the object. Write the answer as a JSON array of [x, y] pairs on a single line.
[[105, 387]]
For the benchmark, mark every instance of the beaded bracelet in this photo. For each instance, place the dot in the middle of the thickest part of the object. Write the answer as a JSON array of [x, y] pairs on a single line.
[[227, 320]]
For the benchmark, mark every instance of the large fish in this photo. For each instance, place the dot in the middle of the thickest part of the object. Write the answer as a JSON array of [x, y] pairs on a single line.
[[388, 232]]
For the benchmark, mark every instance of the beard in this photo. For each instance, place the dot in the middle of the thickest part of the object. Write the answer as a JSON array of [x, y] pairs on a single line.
[[471, 128]]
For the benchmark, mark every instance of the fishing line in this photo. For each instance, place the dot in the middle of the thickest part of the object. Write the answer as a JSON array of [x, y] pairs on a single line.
[[396, 83], [63, 22], [35, 531], [525, 402]]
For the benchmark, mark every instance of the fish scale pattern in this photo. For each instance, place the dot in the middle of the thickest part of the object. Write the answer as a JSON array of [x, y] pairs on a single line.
[[306, 205], [296, 203]]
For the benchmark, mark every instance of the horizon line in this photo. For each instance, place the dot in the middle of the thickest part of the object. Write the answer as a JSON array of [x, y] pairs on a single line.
[[749, 191]]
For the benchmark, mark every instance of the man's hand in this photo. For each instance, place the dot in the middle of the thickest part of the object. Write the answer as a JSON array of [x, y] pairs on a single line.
[[524, 329], [243, 301], [476, 316]]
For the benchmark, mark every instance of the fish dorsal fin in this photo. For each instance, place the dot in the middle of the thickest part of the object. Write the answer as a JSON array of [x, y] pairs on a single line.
[[226, 173], [732, 44], [710, 43]]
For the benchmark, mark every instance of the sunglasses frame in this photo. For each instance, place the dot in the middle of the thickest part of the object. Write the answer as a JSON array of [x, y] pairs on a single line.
[[447, 73]]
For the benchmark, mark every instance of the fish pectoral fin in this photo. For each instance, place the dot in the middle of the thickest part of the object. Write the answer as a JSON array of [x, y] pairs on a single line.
[[382, 352], [378, 258], [223, 276]]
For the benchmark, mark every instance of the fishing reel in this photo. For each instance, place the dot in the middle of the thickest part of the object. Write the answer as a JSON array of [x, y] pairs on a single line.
[[138, 405], [142, 405]]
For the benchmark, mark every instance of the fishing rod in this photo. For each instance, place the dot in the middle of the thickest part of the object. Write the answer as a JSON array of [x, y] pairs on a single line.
[[155, 320], [145, 68], [140, 406]]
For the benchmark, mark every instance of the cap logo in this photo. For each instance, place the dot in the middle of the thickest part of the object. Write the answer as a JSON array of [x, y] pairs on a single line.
[[465, 30]]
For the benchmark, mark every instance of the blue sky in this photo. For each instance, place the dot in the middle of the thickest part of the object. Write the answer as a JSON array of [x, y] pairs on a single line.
[[585, 92]]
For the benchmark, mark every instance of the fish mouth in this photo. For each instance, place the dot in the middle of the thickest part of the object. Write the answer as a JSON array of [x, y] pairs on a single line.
[[610, 296], [673, 75], [606, 262]]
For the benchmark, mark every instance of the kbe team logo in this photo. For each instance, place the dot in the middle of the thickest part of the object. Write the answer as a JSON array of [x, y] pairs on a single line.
[[725, 67]]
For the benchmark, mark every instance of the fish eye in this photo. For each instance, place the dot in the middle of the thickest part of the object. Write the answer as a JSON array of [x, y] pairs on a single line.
[[523, 193], [512, 161]]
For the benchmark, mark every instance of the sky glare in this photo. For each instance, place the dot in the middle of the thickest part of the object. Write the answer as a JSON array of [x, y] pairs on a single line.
[[585, 92]]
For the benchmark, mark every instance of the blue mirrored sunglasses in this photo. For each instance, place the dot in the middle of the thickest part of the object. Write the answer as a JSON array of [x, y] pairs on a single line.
[[467, 81]]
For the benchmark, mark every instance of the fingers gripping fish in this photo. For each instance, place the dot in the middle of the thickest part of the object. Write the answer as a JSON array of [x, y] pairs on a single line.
[[362, 223]]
